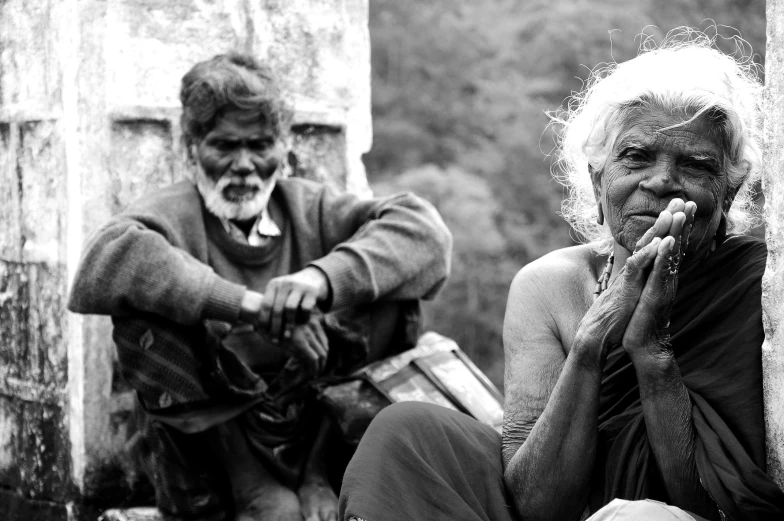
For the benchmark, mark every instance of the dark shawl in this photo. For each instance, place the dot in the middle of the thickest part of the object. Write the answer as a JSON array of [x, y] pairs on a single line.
[[716, 333]]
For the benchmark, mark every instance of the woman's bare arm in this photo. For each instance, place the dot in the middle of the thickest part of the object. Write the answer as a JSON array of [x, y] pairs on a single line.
[[551, 411]]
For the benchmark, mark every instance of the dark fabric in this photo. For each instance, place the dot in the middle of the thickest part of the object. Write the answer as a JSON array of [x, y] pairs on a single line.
[[190, 484], [422, 461], [716, 334], [419, 462]]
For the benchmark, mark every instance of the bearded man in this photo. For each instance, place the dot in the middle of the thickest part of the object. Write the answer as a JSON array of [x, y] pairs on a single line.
[[231, 292]]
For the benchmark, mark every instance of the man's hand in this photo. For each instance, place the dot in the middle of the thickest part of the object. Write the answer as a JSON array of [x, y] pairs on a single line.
[[290, 300], [309, 344], [303, 335]]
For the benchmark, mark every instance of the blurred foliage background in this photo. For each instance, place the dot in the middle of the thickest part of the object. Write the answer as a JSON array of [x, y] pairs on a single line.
[[460, 89]]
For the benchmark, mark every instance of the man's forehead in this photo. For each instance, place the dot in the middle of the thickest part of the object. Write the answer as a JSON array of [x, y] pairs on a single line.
[[243, 122]]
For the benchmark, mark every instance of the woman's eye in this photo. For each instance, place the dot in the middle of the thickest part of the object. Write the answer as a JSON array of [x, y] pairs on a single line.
[[702, 167], [634, 156]]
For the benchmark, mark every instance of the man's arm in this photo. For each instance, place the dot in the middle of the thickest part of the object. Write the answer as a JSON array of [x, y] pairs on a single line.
[[395, 247], [129, 265]]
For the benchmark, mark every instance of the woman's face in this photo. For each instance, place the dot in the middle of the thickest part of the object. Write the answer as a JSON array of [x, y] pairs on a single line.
[[651, 164]]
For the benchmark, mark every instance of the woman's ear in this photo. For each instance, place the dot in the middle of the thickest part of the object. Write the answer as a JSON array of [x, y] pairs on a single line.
[[731, 193], [597, 193]]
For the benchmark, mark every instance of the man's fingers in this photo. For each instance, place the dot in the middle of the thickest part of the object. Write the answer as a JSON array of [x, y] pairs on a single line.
[[266, 305], [278, 309], [308, 303], [290, 310], [319, 349], [321, 335]]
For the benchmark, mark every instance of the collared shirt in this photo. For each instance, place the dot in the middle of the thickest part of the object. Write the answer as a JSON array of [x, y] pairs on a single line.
[[262, 231]]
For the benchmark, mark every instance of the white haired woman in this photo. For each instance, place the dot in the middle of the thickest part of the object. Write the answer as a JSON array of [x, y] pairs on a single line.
[[633, 365]]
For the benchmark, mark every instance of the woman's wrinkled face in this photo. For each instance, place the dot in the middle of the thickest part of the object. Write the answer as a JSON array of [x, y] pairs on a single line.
[[651, 164]]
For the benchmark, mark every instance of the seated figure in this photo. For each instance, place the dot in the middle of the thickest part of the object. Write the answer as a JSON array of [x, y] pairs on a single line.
[[231, 292], [633, 363]]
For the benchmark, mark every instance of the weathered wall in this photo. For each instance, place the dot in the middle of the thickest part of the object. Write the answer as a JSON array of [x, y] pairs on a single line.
[[773, 281], [88, 122]]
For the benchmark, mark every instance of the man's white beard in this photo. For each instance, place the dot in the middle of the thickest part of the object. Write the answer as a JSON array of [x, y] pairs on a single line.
[[218, 205]]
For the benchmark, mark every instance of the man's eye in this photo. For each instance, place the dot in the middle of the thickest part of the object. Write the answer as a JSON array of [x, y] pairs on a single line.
[[223, 145], [260, 144]]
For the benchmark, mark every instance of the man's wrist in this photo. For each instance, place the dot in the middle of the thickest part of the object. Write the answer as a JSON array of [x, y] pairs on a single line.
[[325, 289], [250, 307]]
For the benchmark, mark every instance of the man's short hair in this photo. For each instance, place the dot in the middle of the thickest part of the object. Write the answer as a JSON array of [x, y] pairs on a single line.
[[231, 81]]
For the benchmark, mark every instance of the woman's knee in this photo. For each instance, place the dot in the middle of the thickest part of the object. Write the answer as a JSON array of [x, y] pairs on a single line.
[[409, 417]]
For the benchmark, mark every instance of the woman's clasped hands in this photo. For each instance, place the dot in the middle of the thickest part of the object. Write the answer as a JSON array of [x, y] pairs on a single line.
[[635, 308]]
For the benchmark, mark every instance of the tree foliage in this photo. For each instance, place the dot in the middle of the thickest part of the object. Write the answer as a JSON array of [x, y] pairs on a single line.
[[460, 94]]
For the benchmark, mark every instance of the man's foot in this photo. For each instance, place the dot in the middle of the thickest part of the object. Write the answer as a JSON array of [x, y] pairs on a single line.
[[318, 502], [268, 503], [258, 495]]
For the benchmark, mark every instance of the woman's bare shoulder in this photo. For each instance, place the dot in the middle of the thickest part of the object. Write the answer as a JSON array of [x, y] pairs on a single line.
[[560, 268], [549, 296]]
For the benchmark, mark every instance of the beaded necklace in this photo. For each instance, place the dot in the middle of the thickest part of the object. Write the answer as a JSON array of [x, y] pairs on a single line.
[[604, 278]]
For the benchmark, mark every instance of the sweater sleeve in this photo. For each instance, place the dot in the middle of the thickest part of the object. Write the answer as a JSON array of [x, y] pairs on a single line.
[[391, 248], [130, 265]]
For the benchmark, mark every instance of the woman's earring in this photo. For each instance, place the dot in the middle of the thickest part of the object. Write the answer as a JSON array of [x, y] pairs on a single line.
[[600, 216]]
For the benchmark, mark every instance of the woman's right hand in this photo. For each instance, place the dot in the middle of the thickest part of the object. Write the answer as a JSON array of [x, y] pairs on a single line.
[[605, 322]]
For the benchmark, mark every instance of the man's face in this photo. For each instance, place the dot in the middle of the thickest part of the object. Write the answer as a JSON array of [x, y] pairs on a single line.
[[237, 165], [650, 165]]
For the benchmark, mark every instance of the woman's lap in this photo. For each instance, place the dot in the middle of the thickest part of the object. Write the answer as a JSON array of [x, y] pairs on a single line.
[[421, 461]]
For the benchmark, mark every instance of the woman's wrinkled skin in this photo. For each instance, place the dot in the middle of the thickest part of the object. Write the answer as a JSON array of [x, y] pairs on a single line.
[[662, 192], [655, 159]]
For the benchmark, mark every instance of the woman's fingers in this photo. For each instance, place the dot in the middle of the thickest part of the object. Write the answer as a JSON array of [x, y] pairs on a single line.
[[676, 205], [641, 259], [657, 292], [690, 210]]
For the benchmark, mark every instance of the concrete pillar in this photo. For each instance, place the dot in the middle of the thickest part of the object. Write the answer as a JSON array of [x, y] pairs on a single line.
[[773, 281], [88, 122]]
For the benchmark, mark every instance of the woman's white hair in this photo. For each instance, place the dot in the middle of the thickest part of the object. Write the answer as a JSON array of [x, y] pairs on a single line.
[[685, 71]]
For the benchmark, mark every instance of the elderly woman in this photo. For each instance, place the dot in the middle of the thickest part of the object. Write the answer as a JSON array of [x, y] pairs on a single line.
[[633, 362]]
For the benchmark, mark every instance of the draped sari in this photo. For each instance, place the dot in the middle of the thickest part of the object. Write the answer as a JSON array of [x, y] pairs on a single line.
[[716, 334], [420, 461]]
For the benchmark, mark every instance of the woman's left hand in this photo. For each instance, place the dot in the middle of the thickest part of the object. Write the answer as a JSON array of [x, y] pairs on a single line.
[[646, 336]]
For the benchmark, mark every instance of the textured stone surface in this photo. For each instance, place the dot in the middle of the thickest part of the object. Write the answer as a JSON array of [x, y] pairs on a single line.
[[773, 281], [88, 122]]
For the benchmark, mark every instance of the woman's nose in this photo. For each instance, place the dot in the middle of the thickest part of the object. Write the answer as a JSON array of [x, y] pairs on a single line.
[[662, 180]]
